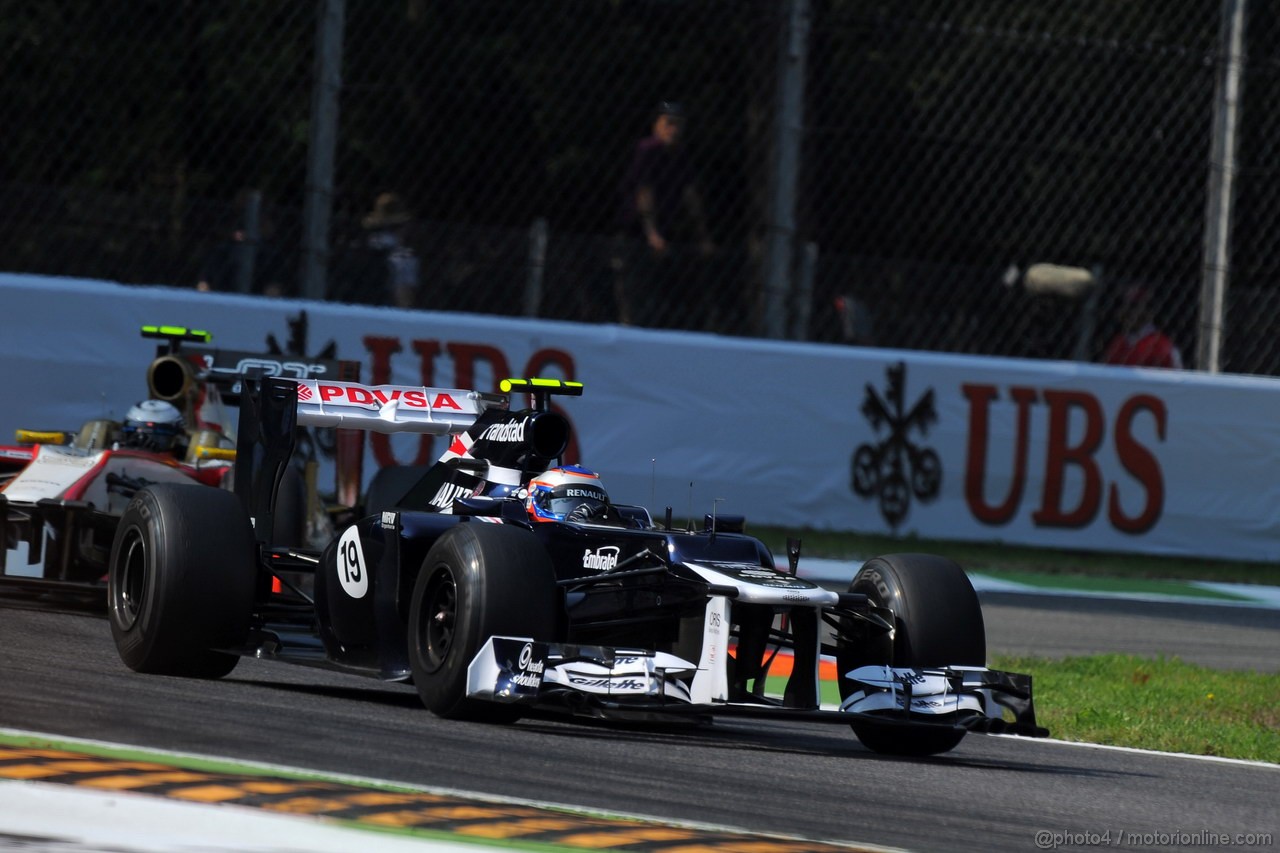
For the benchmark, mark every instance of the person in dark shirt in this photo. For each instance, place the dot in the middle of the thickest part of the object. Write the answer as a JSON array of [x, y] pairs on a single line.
[[380, 266], [248, 260], [660, 208]]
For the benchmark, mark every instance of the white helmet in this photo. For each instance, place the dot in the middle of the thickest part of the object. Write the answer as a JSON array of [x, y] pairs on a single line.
[[554, 494], [152, 425]]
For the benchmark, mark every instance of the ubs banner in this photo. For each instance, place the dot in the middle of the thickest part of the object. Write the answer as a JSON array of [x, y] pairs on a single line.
[[796, 435]]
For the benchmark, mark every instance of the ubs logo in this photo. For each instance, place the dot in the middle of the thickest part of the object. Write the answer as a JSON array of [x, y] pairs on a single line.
[[895, 469]]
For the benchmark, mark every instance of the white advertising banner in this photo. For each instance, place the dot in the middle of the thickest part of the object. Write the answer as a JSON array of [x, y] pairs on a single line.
[[1041, 453]]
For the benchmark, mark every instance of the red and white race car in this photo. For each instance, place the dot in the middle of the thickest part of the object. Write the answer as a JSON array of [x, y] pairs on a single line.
[[62, 493]]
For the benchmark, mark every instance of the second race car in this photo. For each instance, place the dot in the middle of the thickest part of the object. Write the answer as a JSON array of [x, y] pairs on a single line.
[[63, 492]]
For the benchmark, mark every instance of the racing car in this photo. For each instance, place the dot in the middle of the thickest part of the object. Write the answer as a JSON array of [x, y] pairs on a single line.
[[63, 492], [502, 581]]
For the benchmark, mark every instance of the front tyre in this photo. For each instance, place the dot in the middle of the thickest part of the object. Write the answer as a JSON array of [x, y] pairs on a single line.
[[477, 581], [937, 621], [180, 583]]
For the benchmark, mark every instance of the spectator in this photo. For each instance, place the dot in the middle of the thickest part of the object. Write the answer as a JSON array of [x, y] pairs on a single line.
[[1140, 343], [380, 266], [248, 261], [857, 324], [387, 233], [660, 206]]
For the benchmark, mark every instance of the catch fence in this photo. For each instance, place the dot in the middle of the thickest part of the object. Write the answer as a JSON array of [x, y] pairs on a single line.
[[871, 173]]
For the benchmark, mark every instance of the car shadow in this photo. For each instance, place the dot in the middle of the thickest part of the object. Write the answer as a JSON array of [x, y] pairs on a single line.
[[816, 740]]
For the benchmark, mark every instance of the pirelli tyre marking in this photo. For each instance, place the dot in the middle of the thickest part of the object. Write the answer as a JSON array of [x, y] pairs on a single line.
[[408, 811]]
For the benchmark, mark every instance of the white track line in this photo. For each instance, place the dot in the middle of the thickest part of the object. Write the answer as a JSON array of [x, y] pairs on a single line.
[[70, 818], [1265, 765], [842, 571]]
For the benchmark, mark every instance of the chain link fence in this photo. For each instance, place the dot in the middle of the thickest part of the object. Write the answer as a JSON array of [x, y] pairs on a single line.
[[894, 174]]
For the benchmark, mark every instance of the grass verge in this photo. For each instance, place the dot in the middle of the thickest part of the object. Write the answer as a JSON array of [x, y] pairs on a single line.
[[1161, 704], [997, 558], [1156, 703]]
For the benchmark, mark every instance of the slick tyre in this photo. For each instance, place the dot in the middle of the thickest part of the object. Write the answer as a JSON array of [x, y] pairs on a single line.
[[180, 585], [937, 622], [477, 581]]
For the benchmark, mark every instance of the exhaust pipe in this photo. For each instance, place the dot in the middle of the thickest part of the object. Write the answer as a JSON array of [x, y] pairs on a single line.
[[170, 378]]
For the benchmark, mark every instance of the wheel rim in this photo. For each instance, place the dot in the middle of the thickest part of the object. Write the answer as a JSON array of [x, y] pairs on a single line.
[[439, 619], [131, 586]]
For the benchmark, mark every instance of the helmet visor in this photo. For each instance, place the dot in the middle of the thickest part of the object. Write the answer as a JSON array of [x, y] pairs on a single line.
[[562, 500], [149, 436]]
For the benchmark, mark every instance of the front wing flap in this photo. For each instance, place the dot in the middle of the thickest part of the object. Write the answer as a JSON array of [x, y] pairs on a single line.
[[599, 678], [968, 696], [513, 669], [51, 542]]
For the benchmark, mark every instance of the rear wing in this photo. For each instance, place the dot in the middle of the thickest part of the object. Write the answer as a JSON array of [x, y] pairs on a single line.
[[391, 408], [492, 446]]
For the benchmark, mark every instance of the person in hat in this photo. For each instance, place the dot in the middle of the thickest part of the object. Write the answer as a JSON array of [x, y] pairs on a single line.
[[389, 211], [660, 207], [378, 265], [1140, 343]]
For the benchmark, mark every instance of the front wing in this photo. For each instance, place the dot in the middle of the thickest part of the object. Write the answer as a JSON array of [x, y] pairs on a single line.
[[605, 682], [50, 545]]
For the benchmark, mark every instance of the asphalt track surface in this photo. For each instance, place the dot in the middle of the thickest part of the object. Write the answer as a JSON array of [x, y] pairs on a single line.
[[59, 674], [1220, 636]]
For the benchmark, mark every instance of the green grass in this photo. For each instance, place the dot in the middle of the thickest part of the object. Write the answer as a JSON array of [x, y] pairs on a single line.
[[1161, 704], [998, 559]]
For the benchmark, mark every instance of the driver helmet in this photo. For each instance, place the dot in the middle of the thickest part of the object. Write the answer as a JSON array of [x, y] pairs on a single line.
[[555, 494], [152, 425]]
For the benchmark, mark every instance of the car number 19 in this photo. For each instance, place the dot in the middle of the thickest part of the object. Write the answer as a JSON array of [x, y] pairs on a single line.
[[351, 564]]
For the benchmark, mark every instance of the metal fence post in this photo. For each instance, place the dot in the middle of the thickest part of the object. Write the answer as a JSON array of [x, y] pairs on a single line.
[[246, 250], [1222, 172], [802, 311], [321, 142], [537, 266], [1087, 322], [784, 176]]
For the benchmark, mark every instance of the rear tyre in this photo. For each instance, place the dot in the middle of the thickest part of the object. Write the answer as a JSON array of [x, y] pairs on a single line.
[[477, 581], [937, 622], [180, 584]]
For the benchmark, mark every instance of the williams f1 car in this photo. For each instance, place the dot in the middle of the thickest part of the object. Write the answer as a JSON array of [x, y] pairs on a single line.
[[63, 492], [500, 581]]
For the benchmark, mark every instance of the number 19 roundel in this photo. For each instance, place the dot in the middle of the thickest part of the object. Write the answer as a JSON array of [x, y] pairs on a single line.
[[351, 564]]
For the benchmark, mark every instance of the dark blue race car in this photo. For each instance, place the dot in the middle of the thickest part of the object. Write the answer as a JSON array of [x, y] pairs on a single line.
[[499, 580]]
